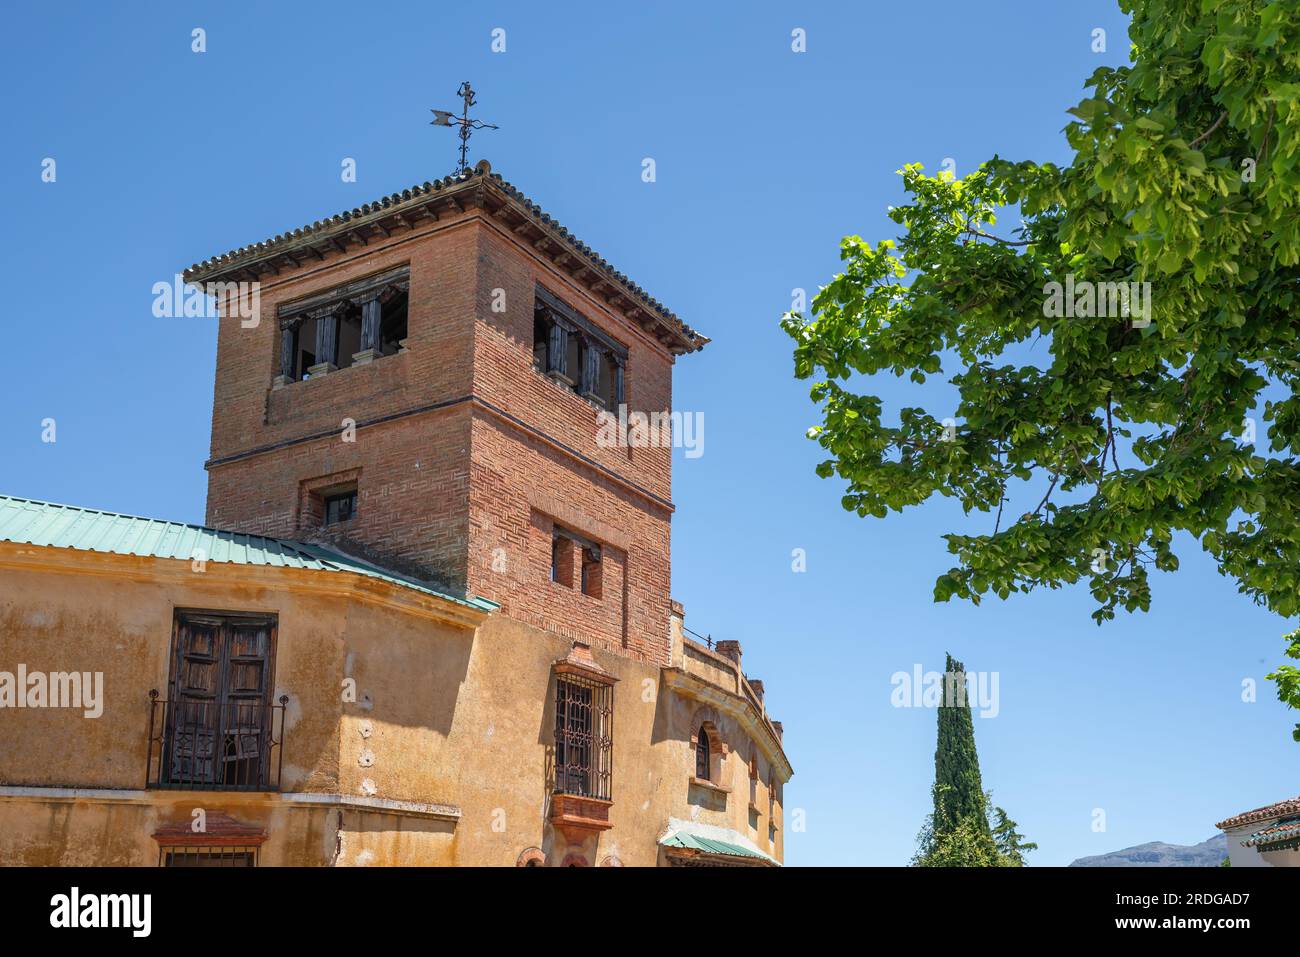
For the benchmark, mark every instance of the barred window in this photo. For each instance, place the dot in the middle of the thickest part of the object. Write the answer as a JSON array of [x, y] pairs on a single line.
[[205, 856], [584, 744]]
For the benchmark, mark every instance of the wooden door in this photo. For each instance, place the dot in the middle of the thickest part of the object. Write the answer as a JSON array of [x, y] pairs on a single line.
[[219, 711]]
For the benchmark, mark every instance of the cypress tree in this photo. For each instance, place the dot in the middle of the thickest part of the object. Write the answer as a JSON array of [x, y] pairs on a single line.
[[958, 791], [958, 833]]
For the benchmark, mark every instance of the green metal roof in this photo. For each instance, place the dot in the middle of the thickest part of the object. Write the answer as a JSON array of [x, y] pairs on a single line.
[[48, 524], [711, 845]]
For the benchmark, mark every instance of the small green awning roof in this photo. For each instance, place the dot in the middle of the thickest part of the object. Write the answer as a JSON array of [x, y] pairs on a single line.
[[711, 840], [1285, 833]]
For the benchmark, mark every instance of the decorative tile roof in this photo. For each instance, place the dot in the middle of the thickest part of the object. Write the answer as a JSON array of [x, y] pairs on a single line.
[[50, 525], [1280, 809], [1282, 832], [417, 201]]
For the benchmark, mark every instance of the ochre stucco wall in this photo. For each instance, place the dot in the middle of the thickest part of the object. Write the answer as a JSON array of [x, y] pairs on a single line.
[[445, 714]]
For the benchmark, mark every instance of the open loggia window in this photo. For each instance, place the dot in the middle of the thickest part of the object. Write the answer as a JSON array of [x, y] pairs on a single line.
[[572, 351], [347, 325]]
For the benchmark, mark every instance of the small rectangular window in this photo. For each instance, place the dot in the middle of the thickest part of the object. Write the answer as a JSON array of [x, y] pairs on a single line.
[[591, 572], [340, 507], [569, 549], [209, 857]]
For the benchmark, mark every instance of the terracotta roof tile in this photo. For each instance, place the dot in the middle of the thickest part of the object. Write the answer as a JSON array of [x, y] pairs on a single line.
[[1280, 809], [215, 265], [1274, 834]]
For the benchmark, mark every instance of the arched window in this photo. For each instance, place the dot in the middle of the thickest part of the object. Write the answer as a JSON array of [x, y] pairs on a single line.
[[531, 857], [702, 754], [753, 777]]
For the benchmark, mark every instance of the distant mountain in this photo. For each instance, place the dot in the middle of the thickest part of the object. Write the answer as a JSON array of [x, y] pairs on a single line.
[[1159, 854]]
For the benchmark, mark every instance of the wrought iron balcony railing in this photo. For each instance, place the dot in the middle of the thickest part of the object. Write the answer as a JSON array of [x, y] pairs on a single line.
[[215, 746]]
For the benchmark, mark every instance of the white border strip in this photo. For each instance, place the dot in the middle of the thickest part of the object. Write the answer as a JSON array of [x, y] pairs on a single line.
[[75, 794], [445, 812]]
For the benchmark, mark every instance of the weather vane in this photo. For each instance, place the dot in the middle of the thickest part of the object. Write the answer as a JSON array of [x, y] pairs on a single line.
[[467, 126]]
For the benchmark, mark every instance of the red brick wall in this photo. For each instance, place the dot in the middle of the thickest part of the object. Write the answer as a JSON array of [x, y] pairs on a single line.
[[520, 487], [505, 453], [523, 483], [412, 478]]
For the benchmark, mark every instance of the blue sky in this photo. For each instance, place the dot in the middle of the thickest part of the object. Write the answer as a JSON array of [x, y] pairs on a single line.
[[765, 158]]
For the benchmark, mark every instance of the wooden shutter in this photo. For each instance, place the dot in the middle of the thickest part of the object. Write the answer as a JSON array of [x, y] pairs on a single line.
[[219, 710], [195, 701]]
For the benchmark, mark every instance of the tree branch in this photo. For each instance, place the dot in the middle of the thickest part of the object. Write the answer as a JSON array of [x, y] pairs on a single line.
[[1002, 493], [971, 231], [1110, 435], [1263, 146], [1050, 489], [1206, 135]]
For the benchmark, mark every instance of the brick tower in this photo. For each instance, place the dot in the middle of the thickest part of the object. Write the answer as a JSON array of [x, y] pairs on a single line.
[[422, 385]]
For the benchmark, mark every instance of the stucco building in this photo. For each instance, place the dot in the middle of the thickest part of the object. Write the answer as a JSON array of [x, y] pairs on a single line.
[[1264, 837], [428, 617]]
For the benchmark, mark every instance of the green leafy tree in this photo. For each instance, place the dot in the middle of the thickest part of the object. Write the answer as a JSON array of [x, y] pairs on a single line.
[[967, 844], [1011, 844], [1096, 416], [1288, 678]]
